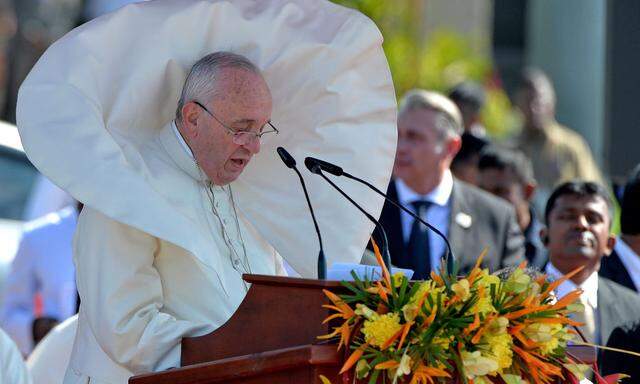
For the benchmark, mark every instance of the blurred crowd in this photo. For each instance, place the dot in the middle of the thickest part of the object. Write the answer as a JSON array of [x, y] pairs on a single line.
[[28, 27], [538, 196]]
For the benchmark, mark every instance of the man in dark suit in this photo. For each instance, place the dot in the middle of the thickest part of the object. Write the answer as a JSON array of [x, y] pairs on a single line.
[[508, 174], [429, 128], [625, 337], [578, 216], [623, 266]]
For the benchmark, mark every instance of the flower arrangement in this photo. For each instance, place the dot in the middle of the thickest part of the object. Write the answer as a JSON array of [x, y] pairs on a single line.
[[478, 329]]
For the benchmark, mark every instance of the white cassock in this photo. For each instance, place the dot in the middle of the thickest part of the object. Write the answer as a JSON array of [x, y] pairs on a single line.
[[159, 252], [48, 362], [12, 367]]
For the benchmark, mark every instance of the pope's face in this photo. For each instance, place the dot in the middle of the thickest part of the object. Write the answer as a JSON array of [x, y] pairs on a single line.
[[242, 103]]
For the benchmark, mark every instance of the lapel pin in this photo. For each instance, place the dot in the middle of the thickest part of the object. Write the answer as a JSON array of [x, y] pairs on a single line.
[[463, 220]]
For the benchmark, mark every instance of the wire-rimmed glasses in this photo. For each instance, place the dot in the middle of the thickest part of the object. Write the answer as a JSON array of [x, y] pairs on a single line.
[[242, 137]]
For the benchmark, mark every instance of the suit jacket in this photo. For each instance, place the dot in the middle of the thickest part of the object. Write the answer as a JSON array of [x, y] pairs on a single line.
[[617, 306], [613, 269], [493, 225], [623, 337]]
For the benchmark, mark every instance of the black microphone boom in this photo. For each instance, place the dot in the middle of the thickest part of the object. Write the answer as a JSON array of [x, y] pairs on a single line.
[[290, 162], [325, 166], [338, 171], [315, 167]]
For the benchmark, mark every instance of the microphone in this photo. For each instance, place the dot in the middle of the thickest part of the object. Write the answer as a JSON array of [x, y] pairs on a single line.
[[338, 171], [314, 166], [290, 162]]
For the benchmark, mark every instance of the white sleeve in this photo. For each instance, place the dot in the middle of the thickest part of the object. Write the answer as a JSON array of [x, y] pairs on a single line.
[[121, 295], [17, 311], [12, 368]]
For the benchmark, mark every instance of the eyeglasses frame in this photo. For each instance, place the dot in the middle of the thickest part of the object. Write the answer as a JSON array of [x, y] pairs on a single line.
[[237, 134]]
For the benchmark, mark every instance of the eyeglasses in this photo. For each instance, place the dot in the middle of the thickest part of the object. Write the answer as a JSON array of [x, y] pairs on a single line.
[[242, 137]]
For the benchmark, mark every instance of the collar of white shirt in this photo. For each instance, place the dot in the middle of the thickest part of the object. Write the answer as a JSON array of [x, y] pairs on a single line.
[[589, 286], [630, 260], [181, 139], [440, 195]]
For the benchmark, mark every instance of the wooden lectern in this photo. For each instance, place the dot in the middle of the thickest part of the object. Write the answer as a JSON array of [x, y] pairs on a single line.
[[271, 338]]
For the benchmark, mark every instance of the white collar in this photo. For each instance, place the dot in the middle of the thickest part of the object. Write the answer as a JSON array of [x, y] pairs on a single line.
[[630, 259], [589, 287], [181, 139], [440, 195]]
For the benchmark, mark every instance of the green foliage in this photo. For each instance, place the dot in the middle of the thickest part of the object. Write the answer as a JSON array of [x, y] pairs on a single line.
[[438, 61]]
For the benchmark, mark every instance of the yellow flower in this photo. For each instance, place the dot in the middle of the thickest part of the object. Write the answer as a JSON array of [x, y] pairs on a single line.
[[397, 279], [405, 366], [364, 311], [427, 287], [547, 336], [410, 311], [483, 306], [498, 325], [487, 280], [461, 289], [518, 281], [497, 343], [380, 328], [476, 365], [499, 350]]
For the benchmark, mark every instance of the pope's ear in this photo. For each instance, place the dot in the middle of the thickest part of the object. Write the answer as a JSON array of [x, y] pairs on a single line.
[[190, 113]]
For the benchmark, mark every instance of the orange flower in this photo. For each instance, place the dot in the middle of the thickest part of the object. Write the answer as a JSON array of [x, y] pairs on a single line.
[[389, 364], [355, 356], [425, 375], [385, 272], [340, 306]]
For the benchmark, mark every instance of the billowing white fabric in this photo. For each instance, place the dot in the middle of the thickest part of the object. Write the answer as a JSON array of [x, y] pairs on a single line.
[[110, 85], [48, 361], [12, 367]]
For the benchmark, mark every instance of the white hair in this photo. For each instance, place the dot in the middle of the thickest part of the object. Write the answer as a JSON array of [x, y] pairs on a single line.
[[449, 118], [200, 83]]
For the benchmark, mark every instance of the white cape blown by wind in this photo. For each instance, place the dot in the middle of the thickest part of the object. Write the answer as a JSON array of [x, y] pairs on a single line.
[[102, 91]]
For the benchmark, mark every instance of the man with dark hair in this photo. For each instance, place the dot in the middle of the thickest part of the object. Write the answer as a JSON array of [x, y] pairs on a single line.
[[465, 164], [578, 216], [623, 266], [508, 174], [558, 154]]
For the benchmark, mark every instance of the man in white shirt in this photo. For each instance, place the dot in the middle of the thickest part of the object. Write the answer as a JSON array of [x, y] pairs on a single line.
[[623, 266], [43, 265], [429, 128], [578, 217]]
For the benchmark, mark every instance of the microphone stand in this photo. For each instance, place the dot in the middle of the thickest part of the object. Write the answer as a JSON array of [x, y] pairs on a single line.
[[290, 162], [386, 256]]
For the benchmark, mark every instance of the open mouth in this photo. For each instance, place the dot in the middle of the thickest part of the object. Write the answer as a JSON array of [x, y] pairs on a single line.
[[238, 163]]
